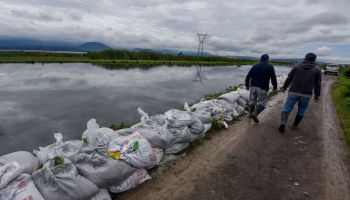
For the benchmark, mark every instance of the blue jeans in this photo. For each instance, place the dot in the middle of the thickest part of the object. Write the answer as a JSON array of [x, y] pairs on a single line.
[[303, 103]]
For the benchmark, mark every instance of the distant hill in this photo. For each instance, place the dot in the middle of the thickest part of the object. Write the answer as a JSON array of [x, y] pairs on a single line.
[[92, 46], [32, 44]]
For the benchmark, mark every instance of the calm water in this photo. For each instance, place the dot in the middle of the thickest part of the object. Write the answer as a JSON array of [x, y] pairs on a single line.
[[37, 100]]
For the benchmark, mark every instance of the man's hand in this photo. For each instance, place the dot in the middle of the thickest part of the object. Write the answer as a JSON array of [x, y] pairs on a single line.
[[317, 99]]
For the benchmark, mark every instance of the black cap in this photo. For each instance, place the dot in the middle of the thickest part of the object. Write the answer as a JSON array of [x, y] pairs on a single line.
[[264, 58], [311, 57]]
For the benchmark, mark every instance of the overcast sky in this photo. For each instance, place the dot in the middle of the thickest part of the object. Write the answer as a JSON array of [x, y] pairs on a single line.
[[236, 27]]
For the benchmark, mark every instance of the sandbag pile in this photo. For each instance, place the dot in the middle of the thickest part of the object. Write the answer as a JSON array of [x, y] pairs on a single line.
[[105, 160]]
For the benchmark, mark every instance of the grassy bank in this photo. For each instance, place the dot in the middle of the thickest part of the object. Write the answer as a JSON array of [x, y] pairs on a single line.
[[117, 60], [341, 98]]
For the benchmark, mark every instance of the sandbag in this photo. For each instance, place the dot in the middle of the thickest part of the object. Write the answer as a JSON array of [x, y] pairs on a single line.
[[204, 116], [242, 102], [178, 118], [135, 150], [67, 149], [9, 172], [98, 138], [103, 194], [28, 162], [181, 134], [196, 127], [231, 97], [63, 182], [21, 188], [158, 136], [134, 180], [101, 170], [244, 94], [176, 148]]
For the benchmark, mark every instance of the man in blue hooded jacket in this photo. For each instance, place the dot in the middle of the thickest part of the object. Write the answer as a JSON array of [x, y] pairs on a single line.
[[258, 81]]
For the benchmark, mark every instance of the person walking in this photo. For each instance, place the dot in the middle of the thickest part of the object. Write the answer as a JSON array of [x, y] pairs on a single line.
[[303, 79], [258, 82]]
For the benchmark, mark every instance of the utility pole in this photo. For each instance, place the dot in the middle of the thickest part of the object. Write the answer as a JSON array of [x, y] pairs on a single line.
[[201, 38]]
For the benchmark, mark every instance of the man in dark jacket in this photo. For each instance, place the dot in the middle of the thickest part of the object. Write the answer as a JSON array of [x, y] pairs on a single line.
[[258, 81], [302, 79]]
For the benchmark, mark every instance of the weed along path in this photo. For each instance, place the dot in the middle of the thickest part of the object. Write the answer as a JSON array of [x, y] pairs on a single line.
[[250, 161]]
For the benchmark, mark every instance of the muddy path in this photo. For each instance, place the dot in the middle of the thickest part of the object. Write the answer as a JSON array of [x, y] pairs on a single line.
[[253, 161]]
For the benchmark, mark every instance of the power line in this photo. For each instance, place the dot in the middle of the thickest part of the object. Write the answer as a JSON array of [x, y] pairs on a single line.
[[201, 39]]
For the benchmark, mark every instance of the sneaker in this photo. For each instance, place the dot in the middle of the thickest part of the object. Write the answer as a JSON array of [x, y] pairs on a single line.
[[282, 128]]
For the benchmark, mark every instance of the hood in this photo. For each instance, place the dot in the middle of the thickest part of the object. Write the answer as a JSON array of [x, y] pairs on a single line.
[[264, 58], [309, 61]]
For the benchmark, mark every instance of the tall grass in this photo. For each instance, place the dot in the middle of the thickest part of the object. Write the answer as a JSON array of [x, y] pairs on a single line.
[[341, 98]]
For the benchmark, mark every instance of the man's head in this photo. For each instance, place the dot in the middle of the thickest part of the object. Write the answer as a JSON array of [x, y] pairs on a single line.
[[264, 58], [310, 57]]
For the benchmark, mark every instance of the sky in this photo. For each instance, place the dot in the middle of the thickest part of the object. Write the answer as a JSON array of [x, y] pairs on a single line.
[[283, 29]]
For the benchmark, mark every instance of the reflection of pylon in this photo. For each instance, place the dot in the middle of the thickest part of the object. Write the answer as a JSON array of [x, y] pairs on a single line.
[[198, 75], [201, 38]]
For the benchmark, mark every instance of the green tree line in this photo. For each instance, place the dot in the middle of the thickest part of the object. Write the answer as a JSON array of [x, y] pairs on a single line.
[[111, 54]]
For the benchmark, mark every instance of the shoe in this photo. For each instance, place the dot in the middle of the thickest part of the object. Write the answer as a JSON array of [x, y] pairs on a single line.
[[258, 109], [296, 122], [251, 110], [282, 128]]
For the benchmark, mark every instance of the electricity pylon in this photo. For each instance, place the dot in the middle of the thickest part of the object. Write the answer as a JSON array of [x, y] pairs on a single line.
[[201, 38]]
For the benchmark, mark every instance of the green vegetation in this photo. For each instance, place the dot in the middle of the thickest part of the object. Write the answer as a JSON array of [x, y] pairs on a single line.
[[119, 126], [341, 98], [115, 59]]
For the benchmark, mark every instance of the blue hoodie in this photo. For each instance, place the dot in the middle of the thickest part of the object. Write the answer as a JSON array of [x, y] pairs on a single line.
[[260, 75]]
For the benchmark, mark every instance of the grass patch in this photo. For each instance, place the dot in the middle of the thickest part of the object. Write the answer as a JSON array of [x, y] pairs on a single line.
[[119, 126], [341, 99]]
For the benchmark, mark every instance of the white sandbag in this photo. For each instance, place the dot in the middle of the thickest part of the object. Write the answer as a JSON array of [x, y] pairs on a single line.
[[244, 94], [137, 178], [8, 172], [230, 97], [207, 127], [67, 149], [98, 138], [176, 148], [181, 134], [136, 150], [63, 182], [196, 127], [21, 188], [178, 118], [28, 162], [103, 194], [89, 136], [103, 137], [204, 116], [242, 102], [101, 170], [240, 110], [124, 132], [158, 136]]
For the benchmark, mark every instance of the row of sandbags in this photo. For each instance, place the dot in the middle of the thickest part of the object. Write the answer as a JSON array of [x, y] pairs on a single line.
[[115, 161]]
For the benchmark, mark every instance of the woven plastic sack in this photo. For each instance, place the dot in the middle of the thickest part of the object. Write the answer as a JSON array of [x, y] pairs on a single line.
[[135, 150], [21, 188], [63, 182], [137, 178], [28, 162]]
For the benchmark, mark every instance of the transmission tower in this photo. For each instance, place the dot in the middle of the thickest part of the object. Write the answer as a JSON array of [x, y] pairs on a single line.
[[201, 38]]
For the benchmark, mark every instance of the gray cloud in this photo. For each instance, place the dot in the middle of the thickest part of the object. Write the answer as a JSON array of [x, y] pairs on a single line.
[[242, 27]]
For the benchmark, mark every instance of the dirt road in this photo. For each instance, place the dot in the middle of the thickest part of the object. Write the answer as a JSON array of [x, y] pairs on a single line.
[[253, 161]]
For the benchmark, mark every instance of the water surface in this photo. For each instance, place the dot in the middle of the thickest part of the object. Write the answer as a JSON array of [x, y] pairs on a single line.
[[38, 100]]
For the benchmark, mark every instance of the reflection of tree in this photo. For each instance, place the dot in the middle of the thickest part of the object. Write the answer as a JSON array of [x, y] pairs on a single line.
[[198, 75]]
